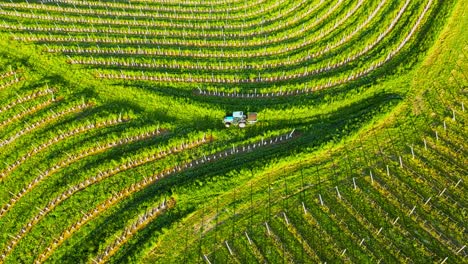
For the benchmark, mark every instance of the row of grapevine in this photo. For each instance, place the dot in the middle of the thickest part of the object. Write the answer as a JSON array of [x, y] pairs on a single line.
[[271, 26], [29, 111], [132, 13], [90, 181], [7, 74], [207, 67], [26, 98], [142, 221], [61, 137], [137, 187], [135, 40], [165, 8], [293, 74], [45, 121], [383, 198], [101, 147]]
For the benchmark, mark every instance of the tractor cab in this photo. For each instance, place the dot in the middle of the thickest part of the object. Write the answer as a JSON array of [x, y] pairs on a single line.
[[239, 119], [238, 114]]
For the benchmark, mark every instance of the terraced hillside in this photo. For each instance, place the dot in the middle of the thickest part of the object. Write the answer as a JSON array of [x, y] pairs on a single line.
[[113, 147]]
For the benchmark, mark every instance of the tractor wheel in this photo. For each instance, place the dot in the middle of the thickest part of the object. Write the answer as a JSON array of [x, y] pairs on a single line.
[[227, 124], [241, 125]]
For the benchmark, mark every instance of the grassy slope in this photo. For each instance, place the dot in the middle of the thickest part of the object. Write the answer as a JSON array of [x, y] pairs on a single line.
[[437, 65], [198, 195], [149, 107]]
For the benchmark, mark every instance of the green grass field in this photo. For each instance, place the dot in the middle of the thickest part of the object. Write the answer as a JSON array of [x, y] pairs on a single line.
[[113, 147]]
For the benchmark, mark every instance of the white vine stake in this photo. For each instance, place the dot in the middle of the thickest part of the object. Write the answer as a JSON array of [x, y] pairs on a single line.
[[412, 210], [442, 192], [290, 135], [380, 230], [268, 228], [428, 200], [338, 192], [285, 218], [206, 259], [248, 238], [228, 247]]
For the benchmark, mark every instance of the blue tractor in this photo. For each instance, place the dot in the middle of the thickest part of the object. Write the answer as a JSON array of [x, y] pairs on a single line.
[[239, 119]]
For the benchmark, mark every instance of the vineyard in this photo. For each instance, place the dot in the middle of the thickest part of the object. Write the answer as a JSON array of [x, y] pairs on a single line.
[[113, 147]]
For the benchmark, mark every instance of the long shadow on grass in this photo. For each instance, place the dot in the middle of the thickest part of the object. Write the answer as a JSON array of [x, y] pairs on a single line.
[[315, 133], [277, 102]]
